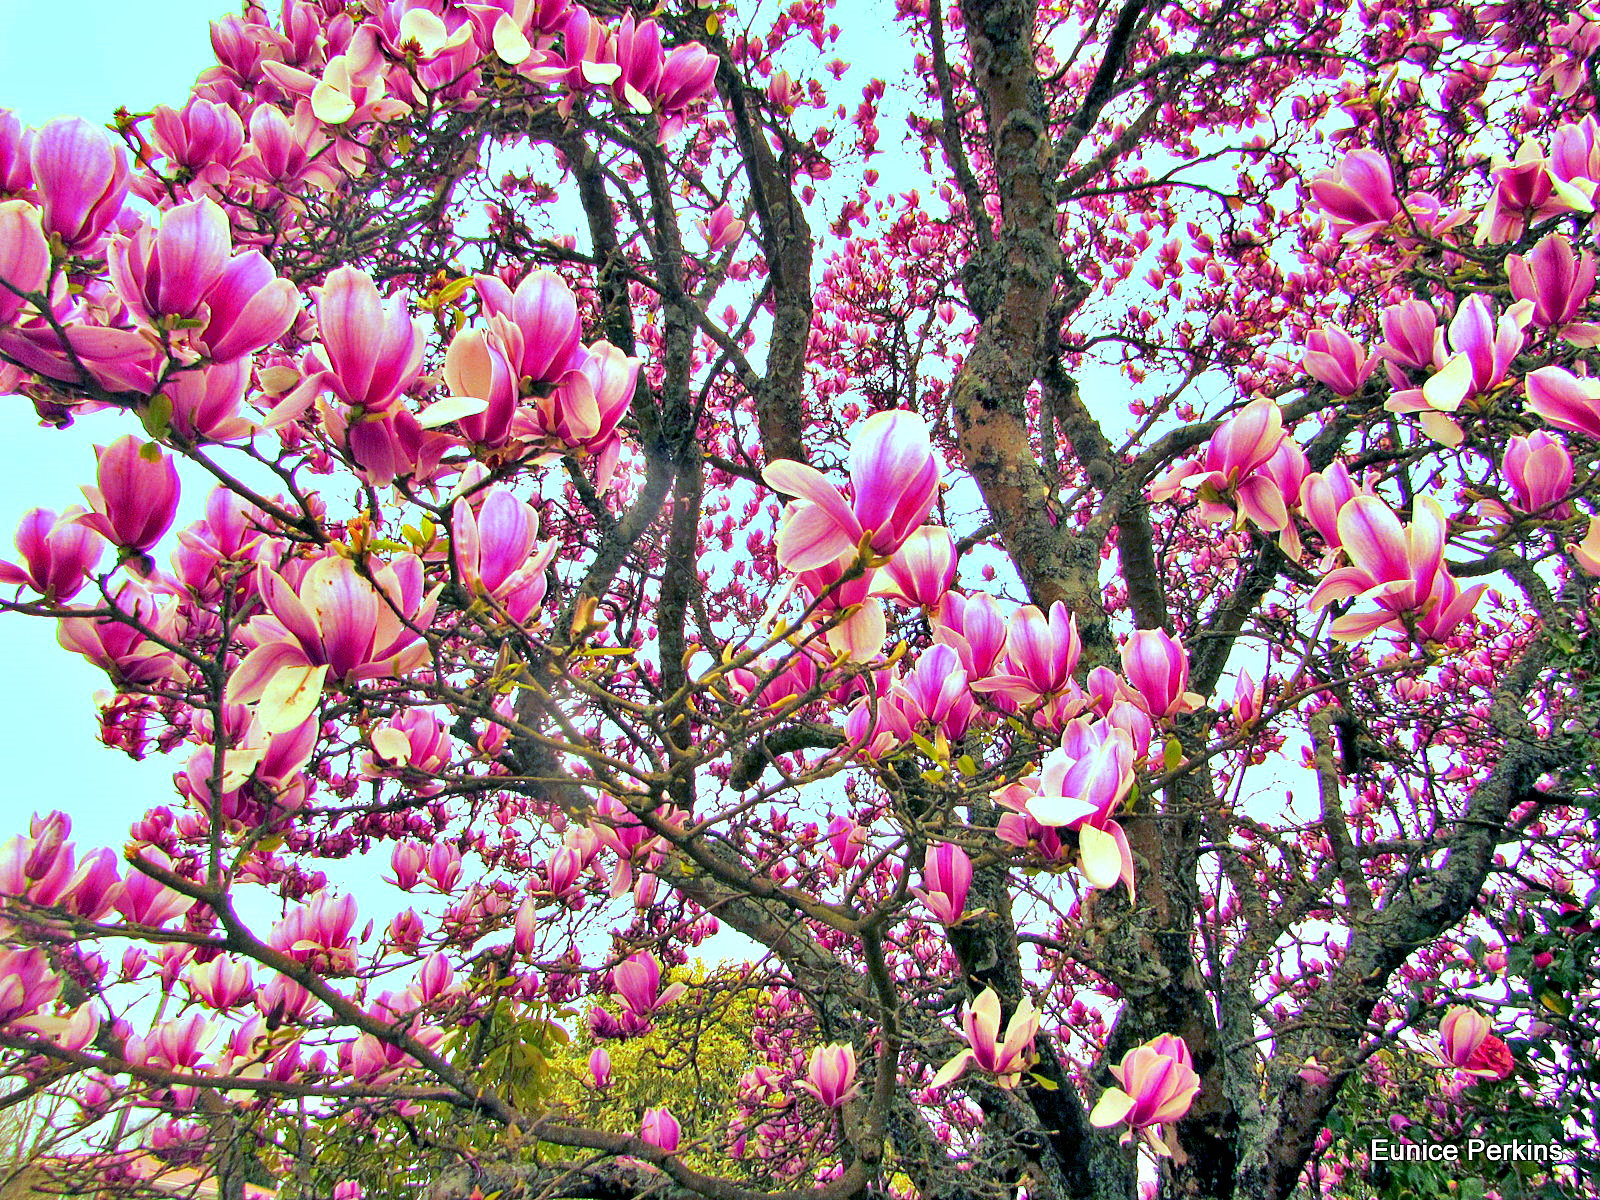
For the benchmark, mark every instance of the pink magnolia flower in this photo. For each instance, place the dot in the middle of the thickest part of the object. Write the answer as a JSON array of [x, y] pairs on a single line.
[[1482, 349], [57, 553], [476, 367], [538, 324], [583, 411], [1539, 470], [1080, 785], [497, 552], [1006, 1059], [1230, 479], [1157, 666], [721, 229], [126, 646], [1399, 568], [936, 692], [923, 569], [15, 175], [222, 984], [1322, 496], [600, 1067], [204, 139], [947, 874], [205, 402], [660, 1129], [374, 351], [1587, 552], [831, 1075], [637, 983], [319, 934], [247, 308], [1158, 1086], [893, 480], [1357, 195], [24, 256], [137, 496], [166, 270], [1466, 1043], [845, 839], [1411, 336], [27, 984], [1526, 192], [145, 901], [1565, 400], [1333, 357], [1558, 282], [414, 740], [973, 627], [1041, 654], [81, 177], [332, 624]]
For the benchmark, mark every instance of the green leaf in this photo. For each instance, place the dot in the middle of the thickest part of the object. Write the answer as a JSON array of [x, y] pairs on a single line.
[[1172, 754], [157, 418]]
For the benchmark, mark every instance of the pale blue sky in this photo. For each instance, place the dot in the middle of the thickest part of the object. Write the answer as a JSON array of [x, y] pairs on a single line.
[[84, 58]]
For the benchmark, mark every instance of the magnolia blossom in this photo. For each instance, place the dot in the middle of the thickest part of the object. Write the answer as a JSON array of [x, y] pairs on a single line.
[[893, 480], [1158, 668], [1231, 479], [1466, 1044], [334, 623], [1357, 195], [1007, 1058], [1079, 787], [1400, 569], [947, 872], [831, 1075], [1158, 1086]]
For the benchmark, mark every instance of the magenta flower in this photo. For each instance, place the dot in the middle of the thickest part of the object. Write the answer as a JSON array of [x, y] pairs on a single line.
[[1539, 470], [637, 983], [893, 480], [1357, 195], [123, 648], [1482, 349], [81, 177], [332, 624], [143, 900], [1558, 281], [721, 229], [27, 983], [166, 270], [1399, 568], [688, 74], [1334, 358], [1411, 336], [845, 839], [1157, 666], [319, 934], [1158, 1086], [1080, 785], [497, 551], [57, 553], [476, 367], [1466, 1043], [973, 627], [223, 983], [936, 692], [205, 402], [923, 569], [1005, 1059], [247, 308], [831, 1075], [661, 1129], [947, 874], [137, 496], [1322, 496], [539, 324], [1230, 479], [600, 1067], [374, 351], [24, 257], [16, 176], [1040, 657], [1565, 400], [205, 139], [583, 411]]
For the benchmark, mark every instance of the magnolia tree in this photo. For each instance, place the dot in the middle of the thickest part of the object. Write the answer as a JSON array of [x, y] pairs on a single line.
[[1095, 608]]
